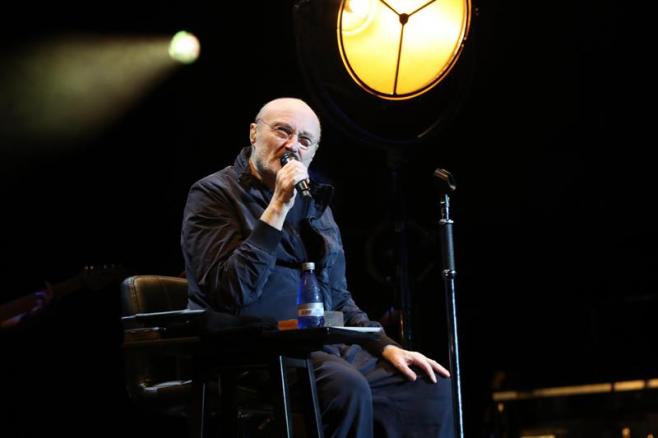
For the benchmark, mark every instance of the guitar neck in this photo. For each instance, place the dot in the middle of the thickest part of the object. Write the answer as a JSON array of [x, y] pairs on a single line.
[[91, 278], [18, 307], [65, 287], [15, 309]]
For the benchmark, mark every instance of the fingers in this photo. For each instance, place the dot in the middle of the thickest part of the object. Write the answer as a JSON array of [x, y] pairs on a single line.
[[429, 366], [286, 178], [404, 369], [424, 363], [403, 359], [439, 368], [296, 170], [291, 174], [398, 358]]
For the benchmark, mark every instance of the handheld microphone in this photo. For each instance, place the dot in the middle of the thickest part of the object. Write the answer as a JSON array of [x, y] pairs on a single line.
[[302, 186]]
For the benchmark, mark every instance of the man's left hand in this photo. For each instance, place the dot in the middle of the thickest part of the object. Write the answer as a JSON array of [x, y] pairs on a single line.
[[403, 359]]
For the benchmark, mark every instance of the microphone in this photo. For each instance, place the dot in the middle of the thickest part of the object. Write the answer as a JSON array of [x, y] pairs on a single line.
[[302, 186]]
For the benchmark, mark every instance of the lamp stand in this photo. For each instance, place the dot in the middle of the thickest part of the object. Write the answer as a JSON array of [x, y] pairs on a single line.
[[395, 162]]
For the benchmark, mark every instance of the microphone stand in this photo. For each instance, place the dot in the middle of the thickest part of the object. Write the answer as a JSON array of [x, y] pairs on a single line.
[[449, 273]]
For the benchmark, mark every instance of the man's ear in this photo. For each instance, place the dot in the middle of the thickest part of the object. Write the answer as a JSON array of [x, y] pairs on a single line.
[[252, 133]]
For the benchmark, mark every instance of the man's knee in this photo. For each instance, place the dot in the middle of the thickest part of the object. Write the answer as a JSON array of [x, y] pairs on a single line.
[[442, 395], [419, 408], [345, 387], [346, 401], [339, 384], [435, 398]]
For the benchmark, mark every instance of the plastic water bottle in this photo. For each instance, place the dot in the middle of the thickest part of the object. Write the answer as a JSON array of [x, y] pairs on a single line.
[[310, 310]]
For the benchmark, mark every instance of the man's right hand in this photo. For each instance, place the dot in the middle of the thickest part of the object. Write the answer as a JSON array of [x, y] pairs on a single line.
[[284, 193]]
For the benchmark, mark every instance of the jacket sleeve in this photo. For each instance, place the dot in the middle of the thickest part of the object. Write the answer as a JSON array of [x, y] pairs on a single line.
[[343, 302], [230, 267]]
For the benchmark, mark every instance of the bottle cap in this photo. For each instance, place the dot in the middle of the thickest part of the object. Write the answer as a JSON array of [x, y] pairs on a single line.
[[308, 266]]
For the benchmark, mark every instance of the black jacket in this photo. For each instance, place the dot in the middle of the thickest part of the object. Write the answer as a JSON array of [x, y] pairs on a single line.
[[238, 264]]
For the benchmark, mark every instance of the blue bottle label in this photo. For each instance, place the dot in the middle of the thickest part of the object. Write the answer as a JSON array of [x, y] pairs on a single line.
[[310, 309]]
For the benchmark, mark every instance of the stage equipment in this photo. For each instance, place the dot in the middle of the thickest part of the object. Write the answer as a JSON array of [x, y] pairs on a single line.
[[390, 74]]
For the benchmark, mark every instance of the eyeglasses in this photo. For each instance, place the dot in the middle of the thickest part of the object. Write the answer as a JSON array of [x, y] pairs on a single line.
[[286, 133]]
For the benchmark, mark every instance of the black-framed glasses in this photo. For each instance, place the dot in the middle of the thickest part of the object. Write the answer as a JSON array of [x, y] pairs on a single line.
[[286, 132]]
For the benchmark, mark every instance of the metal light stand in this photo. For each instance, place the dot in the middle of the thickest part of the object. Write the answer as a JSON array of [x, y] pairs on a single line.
[[449, 273], [395, 162]]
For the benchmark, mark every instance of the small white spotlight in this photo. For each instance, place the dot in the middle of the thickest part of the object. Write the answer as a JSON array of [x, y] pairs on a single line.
[[184, 47]]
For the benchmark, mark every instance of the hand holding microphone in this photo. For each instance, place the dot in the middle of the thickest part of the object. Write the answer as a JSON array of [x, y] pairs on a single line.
[[284, 194], [302, 186]]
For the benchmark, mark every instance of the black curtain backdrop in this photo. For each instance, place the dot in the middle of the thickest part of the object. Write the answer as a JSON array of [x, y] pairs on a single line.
[[555, 238]]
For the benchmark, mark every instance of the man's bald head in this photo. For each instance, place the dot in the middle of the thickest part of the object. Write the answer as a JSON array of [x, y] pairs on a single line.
[[290, 105]]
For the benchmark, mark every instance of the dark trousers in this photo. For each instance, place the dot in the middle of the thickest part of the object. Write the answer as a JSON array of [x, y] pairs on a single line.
[[364, 396]]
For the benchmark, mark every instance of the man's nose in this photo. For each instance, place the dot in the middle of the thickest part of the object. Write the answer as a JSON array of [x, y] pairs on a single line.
[[292, 144]]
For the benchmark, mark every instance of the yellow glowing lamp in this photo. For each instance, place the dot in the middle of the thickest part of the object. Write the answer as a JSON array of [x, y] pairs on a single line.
[[399, 49]]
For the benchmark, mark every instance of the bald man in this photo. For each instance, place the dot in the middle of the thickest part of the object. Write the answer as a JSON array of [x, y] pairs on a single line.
[[246, 233]]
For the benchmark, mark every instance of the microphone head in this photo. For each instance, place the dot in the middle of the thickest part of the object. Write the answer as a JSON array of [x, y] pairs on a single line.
[[302, 186], [287, 156]]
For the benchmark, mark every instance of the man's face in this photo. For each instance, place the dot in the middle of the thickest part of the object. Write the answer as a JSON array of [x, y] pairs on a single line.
[[283, 126]]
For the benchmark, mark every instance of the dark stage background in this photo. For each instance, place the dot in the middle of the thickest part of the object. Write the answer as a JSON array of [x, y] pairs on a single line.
[[555, 233]]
